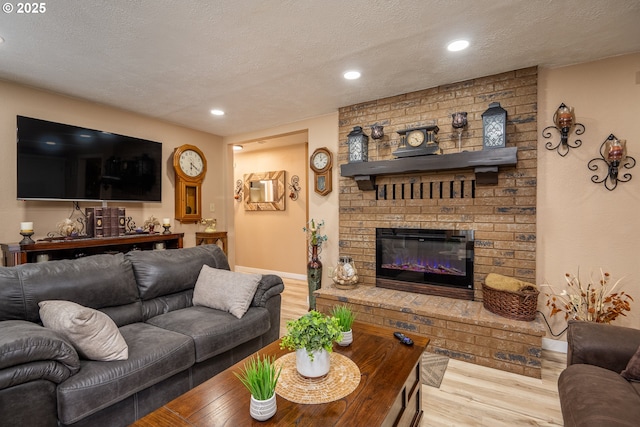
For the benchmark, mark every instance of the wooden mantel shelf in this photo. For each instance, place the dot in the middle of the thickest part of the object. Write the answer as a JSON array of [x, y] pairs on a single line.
[[484, 162]]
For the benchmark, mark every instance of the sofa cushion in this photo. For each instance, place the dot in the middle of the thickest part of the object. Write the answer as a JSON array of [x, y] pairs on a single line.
[[154, 355], [225, 290], [96, 281], [594, 396], [632, 371], [94, 335], [214, 331], [167, 272]]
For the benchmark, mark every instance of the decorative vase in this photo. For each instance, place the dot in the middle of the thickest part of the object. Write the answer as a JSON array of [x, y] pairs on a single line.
[[314, 276], [347, 338], [318, 367], [345, 275], [262, 410]]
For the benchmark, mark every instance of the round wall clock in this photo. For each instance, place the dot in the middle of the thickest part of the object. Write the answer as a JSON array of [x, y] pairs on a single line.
[[190, 166], [321, 163]]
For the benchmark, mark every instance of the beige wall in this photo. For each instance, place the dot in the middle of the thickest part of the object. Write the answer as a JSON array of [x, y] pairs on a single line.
[[581, 224], [262, 234], [21, 100], [322, 131]]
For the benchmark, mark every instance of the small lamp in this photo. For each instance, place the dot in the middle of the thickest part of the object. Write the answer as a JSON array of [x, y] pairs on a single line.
[[494, 127], [358, 145]]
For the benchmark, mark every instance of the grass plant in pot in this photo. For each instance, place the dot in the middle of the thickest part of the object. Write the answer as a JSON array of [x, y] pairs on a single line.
[[312, 337], [260, 376], [345, 317]]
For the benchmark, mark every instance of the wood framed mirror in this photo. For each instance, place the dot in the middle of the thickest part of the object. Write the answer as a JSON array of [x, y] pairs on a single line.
[[264, 191]]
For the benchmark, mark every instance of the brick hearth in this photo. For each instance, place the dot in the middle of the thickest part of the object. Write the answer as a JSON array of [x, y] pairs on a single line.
[[459, 329]]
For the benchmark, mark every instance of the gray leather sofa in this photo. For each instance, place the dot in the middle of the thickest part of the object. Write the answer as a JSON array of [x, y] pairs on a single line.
[[173, 345], [592, 391]]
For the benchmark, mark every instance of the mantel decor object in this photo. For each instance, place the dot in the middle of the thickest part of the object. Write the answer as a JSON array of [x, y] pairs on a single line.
[[459, 122], [377, 131], [564, 121], [358, 144], [418, 141], [613, 156], [494, 127]]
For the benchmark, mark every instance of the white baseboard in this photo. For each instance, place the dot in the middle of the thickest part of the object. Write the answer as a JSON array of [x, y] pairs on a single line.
[[283, 274], [554, 345]]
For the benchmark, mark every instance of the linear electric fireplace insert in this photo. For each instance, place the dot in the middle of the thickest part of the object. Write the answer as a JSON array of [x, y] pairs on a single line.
[[434, 262]]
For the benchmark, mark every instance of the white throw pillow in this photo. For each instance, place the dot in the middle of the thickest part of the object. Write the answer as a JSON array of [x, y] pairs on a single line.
[[225, 290], [94, 334]]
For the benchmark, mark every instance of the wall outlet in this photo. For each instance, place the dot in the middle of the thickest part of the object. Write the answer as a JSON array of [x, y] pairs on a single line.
[[212, 207]]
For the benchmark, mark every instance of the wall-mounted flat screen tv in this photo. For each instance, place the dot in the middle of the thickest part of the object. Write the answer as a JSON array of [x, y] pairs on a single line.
[[63, 162]]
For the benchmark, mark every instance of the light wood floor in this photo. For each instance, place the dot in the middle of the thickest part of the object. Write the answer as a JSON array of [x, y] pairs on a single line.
[[471, 395]]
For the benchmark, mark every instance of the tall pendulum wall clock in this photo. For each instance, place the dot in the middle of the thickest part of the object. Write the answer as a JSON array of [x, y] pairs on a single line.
[[190, 166], [321, 163]]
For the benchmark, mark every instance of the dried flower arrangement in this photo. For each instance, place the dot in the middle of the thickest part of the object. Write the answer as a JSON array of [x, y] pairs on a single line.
[[593, 302]]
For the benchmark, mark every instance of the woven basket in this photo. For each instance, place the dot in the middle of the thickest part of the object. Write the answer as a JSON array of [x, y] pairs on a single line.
[[521, 305]]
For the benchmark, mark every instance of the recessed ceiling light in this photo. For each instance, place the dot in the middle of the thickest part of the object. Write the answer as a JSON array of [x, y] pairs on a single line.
[[457, 45], [1, 40], [217, 112], [237, 148], [352, 75]]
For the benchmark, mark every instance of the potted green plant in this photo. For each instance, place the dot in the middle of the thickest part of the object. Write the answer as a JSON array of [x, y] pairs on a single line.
[[312, 337], [260, 376], [345, 317]]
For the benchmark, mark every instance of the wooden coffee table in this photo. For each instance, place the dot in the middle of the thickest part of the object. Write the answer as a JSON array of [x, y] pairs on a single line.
[[388, 393]]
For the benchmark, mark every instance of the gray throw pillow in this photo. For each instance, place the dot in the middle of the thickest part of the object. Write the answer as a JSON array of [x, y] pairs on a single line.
[[93, 334], [632, 372], [225, 290]]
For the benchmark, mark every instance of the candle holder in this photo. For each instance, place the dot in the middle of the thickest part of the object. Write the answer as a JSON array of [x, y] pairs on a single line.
[[166, 228], [613, 156], [565, 123], [26, 237], [459, 121]]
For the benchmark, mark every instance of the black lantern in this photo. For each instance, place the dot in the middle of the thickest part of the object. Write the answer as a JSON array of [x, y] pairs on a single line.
[[494, 126], [358, 145]]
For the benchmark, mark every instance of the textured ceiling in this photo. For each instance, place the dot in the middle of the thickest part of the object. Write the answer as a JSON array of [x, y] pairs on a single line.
[[271, 62]]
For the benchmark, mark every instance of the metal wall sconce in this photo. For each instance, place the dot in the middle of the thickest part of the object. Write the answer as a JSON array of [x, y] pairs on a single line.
[[565, 123], [613, 156], [238, 191], [294, 187]]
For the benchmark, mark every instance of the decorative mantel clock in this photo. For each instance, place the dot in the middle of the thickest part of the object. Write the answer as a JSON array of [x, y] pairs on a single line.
[[420, 141], [190, 167]]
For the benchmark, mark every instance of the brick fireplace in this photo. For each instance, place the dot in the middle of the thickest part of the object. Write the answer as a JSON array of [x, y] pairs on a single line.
[[502, 217]]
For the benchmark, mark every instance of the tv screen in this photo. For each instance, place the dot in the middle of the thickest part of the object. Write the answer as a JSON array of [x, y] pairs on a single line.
[[63, 162]]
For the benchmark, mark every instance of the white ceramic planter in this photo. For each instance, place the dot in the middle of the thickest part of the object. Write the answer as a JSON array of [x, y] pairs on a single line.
[[262, 410], [347, 338], [313, 369]]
